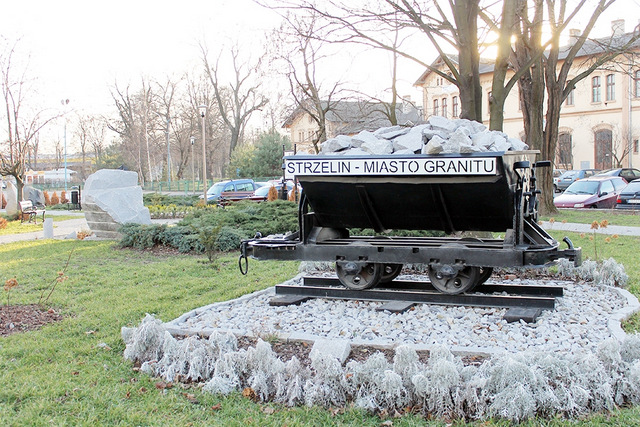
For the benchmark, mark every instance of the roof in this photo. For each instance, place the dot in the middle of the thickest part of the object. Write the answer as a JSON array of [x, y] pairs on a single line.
[[590, 47], [486, 66], [354, 116]]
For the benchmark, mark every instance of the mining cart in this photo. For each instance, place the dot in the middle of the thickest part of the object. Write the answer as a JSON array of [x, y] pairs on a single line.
[[493, 194]]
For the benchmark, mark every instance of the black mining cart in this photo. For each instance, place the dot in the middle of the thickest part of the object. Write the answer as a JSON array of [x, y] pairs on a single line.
[[451, 193]]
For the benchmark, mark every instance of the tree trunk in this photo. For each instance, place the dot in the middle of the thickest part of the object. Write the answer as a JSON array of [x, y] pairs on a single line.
[[466, 16], [549, 146]]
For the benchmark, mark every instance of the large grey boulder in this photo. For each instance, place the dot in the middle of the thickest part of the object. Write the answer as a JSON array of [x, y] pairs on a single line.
[[333, 145], [112, 198], [36, 196], [11, 196], [379, 147], [411, 140], [363, 137]]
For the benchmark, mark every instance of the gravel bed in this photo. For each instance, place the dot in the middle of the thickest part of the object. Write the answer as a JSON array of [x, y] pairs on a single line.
[[584, 317]]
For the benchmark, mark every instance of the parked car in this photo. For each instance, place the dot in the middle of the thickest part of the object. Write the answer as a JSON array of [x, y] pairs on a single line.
[[231, 190], [629, 174], [593, 192], [629, 197], [556, 176], [567, 178], [261, 194]]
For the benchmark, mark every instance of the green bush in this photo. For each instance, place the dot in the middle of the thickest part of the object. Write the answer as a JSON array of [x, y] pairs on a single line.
[[229, 239], [185, 239], [151, 199], [279, 216], [140, 236], [213, 230]]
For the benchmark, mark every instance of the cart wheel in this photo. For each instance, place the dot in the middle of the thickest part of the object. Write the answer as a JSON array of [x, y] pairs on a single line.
[[390, 272], [359, 275], [458, 283], [483, 276]]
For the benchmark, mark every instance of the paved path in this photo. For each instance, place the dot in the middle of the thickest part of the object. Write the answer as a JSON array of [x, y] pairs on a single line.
[[62, 229], [586, 228]]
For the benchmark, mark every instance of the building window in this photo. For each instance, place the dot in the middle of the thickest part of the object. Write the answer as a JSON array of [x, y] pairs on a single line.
[[636, 84], [570, 99], [635, 146], [489, 97], [301, 135], [565, 158], [455, 107], [595, 89], [611, 87], [444, 107], [436, 110]]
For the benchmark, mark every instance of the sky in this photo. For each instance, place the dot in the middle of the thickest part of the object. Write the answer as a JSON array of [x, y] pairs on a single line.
[[79, 48]]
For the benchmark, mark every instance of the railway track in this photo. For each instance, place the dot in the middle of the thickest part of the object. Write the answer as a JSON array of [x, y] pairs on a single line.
[[524, 302]]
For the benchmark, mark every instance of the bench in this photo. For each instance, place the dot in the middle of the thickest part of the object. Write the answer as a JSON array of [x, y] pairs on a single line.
[[30, 212]]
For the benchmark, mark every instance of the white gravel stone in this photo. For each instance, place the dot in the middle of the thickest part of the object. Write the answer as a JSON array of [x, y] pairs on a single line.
[[580, 322]]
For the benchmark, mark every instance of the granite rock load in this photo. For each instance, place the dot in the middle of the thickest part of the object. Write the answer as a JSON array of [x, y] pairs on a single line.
[[112, 198], [438, 136]]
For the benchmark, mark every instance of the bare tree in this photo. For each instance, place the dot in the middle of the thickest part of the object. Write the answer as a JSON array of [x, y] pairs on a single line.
[[97, 132], [23, 121], [552, 77], [82, 133], [302, 55], [218, 137], [240, 98], [133, 126]]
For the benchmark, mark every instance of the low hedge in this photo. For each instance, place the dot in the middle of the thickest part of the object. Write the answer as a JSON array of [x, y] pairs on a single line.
[[222, 229], [219, 229]]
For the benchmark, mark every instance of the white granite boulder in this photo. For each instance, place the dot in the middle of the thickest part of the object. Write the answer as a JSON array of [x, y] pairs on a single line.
[[412, 140], [438, 136], [112, 198], [333, 145], [380, 147], [391, 132], [363, 137], [11, 196]]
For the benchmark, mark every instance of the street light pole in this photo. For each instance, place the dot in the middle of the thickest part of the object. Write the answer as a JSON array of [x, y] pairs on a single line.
[[193, 164], [203, 113], [168, 153], [64, 103]]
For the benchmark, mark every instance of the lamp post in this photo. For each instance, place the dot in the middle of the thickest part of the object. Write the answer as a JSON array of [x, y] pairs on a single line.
[[64, 103], [203, 112], [193, 164]]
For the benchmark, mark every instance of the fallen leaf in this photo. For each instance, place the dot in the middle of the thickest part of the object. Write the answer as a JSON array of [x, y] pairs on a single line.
[[249, 393], [216, 407], [128, 395], [75, 373], [92, 332], [190, 397], [268, 410], [142, 390], [387, 423], [162, 385]]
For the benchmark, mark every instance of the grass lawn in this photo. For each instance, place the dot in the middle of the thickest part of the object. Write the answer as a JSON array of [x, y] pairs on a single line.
[[587, 216], [73, 372]]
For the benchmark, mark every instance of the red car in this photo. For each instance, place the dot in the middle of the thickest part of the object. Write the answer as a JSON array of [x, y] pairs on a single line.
[[593, 192]]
